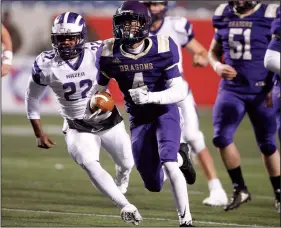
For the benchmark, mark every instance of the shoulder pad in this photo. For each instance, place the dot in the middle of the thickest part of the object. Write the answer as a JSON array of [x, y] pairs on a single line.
[[90, 45], [220, 9], [163, 44], [179, 24], [41, 66], [46, 58], [107, 49], [271, 11]]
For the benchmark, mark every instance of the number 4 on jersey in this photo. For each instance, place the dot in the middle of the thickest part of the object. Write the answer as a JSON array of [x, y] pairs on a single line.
[[138, 80]]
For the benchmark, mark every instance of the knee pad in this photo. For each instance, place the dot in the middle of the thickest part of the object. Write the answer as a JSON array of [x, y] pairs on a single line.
[[267, 149], [221, 141], [197, 142]]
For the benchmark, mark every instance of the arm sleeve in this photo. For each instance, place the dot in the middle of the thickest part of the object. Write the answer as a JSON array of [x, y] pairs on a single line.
[[34, 92], [176, 92], [272, 61], [102, 78]]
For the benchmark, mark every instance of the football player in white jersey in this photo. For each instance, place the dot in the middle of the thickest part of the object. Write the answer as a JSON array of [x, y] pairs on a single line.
[[7, 51], [70, 71], [181, 32]]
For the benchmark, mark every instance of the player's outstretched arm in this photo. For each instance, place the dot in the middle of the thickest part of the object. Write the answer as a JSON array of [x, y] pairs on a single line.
[[176, 92], [33, 94], [215, 55], [8, 51], [198, 52]]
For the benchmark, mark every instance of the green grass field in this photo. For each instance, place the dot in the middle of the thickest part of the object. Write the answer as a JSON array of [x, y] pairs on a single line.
[[37, 194]]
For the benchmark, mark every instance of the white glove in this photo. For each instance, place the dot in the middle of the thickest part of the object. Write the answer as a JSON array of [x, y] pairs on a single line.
[[140, 95]]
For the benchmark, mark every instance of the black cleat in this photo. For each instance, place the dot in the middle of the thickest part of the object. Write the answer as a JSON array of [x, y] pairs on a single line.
[[186, 225], [187, 167], [239, 197]]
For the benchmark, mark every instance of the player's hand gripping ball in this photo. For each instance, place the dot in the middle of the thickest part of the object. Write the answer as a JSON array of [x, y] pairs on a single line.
[[103, 101]]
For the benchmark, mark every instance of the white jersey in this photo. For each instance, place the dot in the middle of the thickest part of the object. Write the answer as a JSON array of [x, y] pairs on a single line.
[[179, 29], [70, 81]]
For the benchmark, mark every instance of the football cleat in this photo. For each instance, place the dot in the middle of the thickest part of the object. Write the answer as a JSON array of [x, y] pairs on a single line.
[[187, 224], [187, 167], [217, 198], [130, 214], [239, 197]]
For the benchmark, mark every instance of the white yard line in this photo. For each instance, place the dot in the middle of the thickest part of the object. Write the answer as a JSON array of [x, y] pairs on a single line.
[[115, 216]]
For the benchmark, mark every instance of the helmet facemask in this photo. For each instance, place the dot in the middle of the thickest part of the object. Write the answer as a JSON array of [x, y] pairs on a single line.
[[131, 28], [242, 6], [69, 45]]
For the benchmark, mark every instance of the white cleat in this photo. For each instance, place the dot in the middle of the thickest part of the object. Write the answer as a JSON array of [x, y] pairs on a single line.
[[217, 198], [277, 206], [130, 214]]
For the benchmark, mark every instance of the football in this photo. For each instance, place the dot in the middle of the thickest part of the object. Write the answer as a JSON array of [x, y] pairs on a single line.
[[103, 101]]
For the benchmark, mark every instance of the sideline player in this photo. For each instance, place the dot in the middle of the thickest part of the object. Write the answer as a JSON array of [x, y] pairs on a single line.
[[242, 36], [70, 71]]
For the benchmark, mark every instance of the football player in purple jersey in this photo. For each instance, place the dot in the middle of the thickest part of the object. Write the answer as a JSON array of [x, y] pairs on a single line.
[[242, 36], [146, 69], [181, 31]]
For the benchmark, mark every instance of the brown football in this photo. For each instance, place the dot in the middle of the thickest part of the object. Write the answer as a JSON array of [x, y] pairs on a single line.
[[103, 101]]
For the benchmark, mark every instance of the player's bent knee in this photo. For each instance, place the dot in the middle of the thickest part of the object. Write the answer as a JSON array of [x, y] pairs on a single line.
[[197, 143], [221, 141], [127, 164], [153, 187], [268, 149]]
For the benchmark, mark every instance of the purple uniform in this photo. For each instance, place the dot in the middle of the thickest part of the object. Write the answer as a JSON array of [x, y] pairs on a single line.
[[244, 42], [155, 129]]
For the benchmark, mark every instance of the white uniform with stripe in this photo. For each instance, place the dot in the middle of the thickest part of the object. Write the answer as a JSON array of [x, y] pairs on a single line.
[[72, 88], [180, 29]]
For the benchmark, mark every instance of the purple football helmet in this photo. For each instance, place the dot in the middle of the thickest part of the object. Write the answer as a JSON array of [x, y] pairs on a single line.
[[68, 26], [131, 22], [161, 14], [241, 6]]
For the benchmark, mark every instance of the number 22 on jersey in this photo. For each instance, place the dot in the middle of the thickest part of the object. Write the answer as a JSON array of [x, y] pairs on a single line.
[[85, 85], [237, 49]]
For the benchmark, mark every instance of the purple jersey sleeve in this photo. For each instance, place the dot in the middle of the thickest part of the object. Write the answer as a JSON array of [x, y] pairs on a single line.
[[172, 70], [102, 78]]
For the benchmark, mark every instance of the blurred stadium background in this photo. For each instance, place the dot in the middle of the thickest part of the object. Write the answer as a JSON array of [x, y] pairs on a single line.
[[46, 188]]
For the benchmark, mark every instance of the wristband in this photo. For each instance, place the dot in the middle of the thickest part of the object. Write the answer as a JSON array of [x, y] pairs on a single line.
[[216, 65]]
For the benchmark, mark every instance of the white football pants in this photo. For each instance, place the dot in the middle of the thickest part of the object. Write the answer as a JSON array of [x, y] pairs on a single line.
[[190, 132], [84, 147]]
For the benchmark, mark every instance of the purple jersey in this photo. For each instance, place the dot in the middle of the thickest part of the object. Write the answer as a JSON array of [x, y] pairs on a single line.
[[276, 33], [244, 41], [152, 67]]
